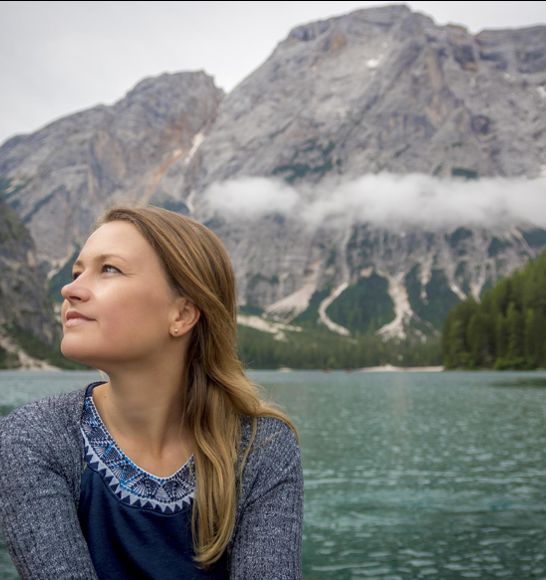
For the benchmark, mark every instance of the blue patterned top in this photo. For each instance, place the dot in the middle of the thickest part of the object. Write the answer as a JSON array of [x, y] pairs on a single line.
[[136, 524]]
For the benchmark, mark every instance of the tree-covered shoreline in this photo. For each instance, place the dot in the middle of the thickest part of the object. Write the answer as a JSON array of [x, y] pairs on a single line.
[[506, 330]]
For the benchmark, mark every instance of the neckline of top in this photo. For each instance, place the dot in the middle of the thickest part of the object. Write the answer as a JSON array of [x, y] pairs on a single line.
[[89, 396]]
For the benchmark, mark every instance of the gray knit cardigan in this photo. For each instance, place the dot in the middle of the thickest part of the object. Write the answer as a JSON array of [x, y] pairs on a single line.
[[41, 462]]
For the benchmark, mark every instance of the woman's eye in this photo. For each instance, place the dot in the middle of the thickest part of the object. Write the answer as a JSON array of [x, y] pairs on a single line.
[[108, 268]]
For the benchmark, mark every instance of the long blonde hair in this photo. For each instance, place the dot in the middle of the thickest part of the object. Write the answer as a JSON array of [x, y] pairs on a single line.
[[218, 393]]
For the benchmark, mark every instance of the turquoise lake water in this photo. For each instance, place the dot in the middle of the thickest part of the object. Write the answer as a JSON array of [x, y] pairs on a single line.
[[407, 474]]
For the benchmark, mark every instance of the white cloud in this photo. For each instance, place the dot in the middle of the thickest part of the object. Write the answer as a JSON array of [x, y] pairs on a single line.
[[392, 201], [251, 197]]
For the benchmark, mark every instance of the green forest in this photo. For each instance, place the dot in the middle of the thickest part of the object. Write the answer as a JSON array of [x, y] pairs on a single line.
[[312, 349], [506, 330]]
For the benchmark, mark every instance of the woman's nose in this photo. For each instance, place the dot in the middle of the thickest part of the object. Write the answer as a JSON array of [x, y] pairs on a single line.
[[74, 290]]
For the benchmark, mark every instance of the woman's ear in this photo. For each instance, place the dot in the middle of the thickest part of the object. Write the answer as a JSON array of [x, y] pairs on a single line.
[[186, 317]]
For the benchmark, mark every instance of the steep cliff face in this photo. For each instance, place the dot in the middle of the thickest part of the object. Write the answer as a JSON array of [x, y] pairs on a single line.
[[70, 170], [382, 91], [366, 278], [24, 304]]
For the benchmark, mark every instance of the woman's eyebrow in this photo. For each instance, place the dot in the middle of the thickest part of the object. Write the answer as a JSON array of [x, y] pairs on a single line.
[[79, 261]]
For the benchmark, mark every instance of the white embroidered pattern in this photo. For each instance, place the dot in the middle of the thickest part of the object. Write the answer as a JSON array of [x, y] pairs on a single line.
[[130, 483]]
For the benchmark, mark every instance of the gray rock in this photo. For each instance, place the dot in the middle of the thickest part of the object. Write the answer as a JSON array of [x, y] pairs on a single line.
[[71, 169], [24, 303]]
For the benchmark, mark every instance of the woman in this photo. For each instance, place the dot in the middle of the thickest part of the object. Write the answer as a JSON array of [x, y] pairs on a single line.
[[173, 467]]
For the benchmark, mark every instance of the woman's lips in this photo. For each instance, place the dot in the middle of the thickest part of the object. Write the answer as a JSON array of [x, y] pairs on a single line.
[[76, 321]]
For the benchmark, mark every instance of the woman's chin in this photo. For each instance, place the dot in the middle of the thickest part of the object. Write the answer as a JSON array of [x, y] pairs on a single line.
[[77, 354]]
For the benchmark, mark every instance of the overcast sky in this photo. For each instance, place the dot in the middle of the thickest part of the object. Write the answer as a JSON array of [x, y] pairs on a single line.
[[57, 58]]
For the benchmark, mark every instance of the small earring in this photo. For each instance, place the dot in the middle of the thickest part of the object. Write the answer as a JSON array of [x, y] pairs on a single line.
[[175, 330]]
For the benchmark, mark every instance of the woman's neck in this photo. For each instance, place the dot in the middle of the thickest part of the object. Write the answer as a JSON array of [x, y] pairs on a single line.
[[144, 413]]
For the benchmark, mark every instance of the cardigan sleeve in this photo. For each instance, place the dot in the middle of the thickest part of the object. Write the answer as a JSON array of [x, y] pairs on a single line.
[[38, 515], [268, 535]]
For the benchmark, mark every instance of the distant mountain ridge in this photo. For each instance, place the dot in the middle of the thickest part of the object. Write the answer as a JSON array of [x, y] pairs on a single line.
[[380, 90], [385, 90], [68, 171]]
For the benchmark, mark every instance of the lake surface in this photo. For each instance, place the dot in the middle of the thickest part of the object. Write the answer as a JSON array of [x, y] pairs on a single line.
[[408, 475]]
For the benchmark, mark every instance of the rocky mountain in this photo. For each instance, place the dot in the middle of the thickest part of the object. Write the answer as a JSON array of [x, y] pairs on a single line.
[[381, 91], [25, 310], [384, 90], [71, 169]]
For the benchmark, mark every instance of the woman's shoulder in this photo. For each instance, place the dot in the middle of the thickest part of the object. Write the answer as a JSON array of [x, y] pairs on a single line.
[[42, 434], [274, 441], [268, 429], [273, 469], [49, 413]]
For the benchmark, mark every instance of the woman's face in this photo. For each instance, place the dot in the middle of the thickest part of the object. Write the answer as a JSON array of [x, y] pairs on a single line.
[[120, 285]]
